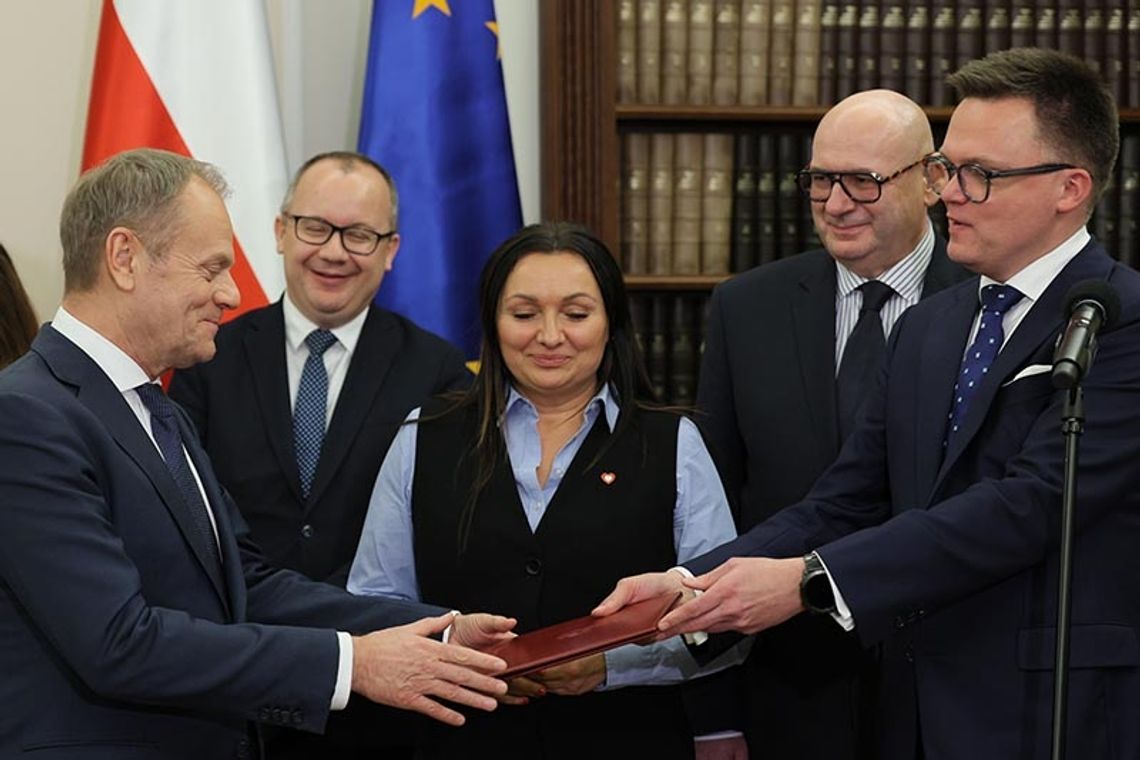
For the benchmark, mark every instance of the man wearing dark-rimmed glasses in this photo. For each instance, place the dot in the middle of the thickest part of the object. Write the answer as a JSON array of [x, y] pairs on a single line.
[[822, 339], [304, 396]]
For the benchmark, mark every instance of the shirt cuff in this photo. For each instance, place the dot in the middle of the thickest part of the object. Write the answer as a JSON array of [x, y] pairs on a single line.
[[343, 687], [842, 613], [445, 637], [699, 637], [717, 735]]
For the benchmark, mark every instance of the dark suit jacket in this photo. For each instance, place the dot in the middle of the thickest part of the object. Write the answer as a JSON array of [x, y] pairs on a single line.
[[240, 404], [950, 562], [118, 639], [767, 393]]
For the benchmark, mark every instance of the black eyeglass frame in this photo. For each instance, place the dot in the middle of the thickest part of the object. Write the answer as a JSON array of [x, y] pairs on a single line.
[[333, 228], [805, 176], [988, 175]]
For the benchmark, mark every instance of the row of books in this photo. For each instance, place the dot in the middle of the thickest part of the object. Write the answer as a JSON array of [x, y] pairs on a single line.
[[717, 204], [714, 203], [670, 330], [812, 53]]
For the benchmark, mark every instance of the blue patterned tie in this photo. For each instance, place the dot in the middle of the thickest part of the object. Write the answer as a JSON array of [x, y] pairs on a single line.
[[311, 409], [996, 301], [164, 427]]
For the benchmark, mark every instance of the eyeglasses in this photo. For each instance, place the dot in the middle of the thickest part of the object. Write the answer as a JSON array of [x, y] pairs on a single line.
[[356, 239], [974, 180], [861, 187]]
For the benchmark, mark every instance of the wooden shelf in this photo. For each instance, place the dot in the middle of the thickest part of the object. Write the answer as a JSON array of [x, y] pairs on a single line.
[[672, 282]]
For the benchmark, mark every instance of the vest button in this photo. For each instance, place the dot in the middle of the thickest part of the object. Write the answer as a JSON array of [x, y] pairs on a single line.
[[307, 531], [533, 566]]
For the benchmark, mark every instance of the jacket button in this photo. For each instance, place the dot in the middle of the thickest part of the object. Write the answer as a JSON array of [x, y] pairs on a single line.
[[908, 654], [533, 566], [307, 531]]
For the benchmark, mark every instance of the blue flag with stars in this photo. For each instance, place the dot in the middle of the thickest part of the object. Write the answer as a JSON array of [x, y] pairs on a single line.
[[435, 116]]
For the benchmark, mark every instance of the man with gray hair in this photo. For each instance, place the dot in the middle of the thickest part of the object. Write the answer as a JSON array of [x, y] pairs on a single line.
[[137, 616]]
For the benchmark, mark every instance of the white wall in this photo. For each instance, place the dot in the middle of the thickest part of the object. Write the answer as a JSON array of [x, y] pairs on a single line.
[[47, 48]]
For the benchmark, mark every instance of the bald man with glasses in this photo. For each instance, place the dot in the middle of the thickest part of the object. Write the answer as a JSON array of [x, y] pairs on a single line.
[[304, 396], [790, 351]]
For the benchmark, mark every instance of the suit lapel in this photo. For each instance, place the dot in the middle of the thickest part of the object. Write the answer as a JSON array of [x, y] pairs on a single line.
[[372, 359], [264, 345], [1043, 323], [813, 318], [97, 393], [941, 273]]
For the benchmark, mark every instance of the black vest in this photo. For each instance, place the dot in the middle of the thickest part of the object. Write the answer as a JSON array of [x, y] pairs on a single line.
[[612, 516]]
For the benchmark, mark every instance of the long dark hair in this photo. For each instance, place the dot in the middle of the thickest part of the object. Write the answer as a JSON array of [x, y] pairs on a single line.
[[621, 367], [17, 318]]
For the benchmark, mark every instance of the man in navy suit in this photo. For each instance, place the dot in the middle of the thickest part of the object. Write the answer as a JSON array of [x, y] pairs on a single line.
[[777, 338], [137, 618], [935, 532], [337, 236]]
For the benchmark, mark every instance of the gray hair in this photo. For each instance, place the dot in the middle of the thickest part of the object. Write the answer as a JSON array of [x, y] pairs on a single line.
[[137, 189], [347, 160]]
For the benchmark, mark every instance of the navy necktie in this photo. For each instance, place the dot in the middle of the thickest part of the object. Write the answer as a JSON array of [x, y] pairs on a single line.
[[996, 301], [164, 427], [861, 355], [311, 409]]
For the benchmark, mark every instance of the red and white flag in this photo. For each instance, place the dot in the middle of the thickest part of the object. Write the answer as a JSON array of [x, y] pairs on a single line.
[[196, 77]]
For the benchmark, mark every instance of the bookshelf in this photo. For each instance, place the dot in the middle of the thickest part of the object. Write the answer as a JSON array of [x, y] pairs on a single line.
[[595, 112]]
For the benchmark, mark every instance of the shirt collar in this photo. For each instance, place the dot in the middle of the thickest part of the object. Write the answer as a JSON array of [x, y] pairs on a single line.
[[122, 370], [1033, 279], [905, 277], [298, 327], [519, 404]]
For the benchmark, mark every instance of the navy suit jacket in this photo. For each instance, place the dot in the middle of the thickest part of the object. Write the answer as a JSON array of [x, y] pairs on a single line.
[[949, 558], [118, 639], [239, 401]]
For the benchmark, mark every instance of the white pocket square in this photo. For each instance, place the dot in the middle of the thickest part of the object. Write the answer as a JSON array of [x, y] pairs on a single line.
[[1032, 369]]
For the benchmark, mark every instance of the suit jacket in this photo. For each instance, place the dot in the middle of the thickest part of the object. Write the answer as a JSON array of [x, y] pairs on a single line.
[[120, 639], [240, 404], [767, 393], [949, 559]]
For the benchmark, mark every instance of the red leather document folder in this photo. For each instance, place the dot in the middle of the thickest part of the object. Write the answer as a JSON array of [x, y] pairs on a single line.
[[582, 636]]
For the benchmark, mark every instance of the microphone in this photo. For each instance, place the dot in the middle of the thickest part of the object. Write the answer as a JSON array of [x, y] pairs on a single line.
[[1091, 305]]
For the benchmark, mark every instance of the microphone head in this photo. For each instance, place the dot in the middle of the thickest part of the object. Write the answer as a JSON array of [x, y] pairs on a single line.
[[1098, 292]]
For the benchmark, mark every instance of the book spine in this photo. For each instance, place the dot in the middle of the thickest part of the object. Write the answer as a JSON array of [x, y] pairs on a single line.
[[1022, 25], [716, 205], [788, 193], [744, 222], [943, 31], [848, 36], [1070, 28], [635, 203], [661, 204], [700, 51], [657, 356], [997, 25], [1132, 46], [971, 39], [683, 353], [869, 31], [1128, 235], [687, 174], [755, 28], [892, 47], [1115, 59], [726, 52], [649, 51], [1045, 36], [828, 53], [806, 232], [806, 66], [780, 63], [627, 51], [917, 77], [767, 184], [674, 51], [1094, 42]]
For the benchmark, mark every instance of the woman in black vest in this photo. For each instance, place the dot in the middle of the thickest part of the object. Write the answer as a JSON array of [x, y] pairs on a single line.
[[534, 492]]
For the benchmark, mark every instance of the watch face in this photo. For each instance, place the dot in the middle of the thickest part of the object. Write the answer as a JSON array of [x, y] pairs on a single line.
[[817, 593]]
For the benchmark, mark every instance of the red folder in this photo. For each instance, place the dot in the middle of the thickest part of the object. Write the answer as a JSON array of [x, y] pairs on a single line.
[[572, 639]]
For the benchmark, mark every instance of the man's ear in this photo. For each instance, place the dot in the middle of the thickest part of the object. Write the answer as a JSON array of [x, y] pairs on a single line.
[[1076, 190], [122, 256], [390, 255], [279, 233]]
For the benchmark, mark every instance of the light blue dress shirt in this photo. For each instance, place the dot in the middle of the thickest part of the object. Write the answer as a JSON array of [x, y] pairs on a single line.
[[385, 565]]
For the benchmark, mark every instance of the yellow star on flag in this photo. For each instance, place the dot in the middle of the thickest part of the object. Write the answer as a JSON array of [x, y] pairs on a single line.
[[494, 27], [422, 5]]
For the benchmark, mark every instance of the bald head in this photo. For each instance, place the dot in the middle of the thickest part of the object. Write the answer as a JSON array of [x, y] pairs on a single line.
[[882, 133]]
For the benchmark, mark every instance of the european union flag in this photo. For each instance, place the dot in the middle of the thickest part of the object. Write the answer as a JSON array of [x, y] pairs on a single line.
[[435, 115]]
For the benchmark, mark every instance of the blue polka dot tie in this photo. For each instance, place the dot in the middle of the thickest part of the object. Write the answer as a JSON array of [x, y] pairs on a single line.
[[311, 408], [168, 436], [996, 301]]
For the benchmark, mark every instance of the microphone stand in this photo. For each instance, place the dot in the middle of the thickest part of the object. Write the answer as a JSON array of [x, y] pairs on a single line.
[[1072, 425]]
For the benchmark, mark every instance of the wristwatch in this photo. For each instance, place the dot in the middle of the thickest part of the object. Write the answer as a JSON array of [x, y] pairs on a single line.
[[815, 586]]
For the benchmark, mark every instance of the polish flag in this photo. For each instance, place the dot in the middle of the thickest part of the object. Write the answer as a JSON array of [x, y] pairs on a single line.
[[196, 77]]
